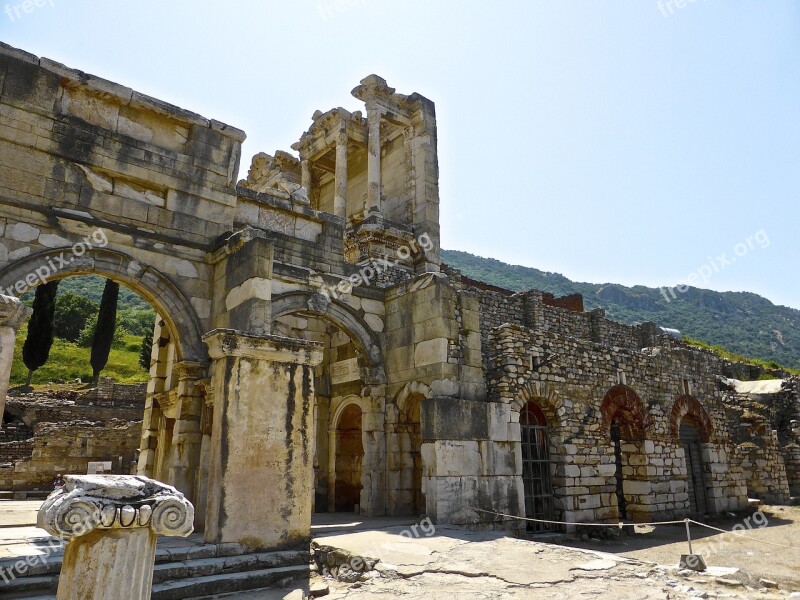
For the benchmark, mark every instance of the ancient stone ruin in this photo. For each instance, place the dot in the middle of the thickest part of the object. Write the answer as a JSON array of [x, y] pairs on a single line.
[[312, 353]]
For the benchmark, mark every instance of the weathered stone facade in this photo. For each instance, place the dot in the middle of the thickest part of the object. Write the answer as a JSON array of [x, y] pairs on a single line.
[[310, 344]]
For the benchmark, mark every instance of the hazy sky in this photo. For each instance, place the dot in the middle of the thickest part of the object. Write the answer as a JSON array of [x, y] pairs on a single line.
[[609, 140]]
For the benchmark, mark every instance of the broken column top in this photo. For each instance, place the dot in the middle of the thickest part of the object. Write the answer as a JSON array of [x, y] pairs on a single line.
[[89, 502], [13, 312], [372, 85]]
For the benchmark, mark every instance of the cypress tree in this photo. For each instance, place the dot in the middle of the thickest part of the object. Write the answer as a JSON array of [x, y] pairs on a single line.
[[146, 351], [36, 348], [106, 324]]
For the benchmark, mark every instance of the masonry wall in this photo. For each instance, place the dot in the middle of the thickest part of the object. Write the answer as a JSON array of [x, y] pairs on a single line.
[[67, 448], [571, 387]]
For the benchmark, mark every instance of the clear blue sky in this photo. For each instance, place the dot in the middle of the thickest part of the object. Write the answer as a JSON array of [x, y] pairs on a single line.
[[611, 141]]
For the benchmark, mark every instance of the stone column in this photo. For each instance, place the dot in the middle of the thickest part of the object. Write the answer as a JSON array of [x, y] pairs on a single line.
[[162, 361], [110, 523], [340, 177], [261, 456], [305, 177], [374, 159], [186, 435], [12, 314]]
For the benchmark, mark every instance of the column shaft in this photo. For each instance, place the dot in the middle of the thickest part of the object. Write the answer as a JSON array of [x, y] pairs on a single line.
[[374, 160], [340, 184]]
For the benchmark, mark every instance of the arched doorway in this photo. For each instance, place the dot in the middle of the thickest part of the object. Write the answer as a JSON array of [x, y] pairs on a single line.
[[536, 474], [690, 438], [412, 500], [348, 461], [351, 370], [691, 427], [625, 418]]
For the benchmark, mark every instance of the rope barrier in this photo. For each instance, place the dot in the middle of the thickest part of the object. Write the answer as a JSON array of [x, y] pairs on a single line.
[[621, 524], [744, 537]]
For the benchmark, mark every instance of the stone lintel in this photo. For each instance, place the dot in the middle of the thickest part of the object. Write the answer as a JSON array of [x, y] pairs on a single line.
[[122, 502], [230, 342]]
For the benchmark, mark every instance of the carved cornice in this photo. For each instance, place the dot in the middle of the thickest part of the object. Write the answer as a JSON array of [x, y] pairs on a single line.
[[94, 502]]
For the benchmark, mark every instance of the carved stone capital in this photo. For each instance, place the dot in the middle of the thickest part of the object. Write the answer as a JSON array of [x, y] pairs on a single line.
[[92, 502], [190, 370], [13, 312]]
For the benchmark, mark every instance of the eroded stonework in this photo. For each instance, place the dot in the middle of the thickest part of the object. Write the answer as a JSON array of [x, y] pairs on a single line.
[[311, 344]]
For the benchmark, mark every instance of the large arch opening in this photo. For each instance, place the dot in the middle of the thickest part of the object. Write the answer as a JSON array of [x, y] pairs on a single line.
[[690, 435], [168, 449], [545, 464]]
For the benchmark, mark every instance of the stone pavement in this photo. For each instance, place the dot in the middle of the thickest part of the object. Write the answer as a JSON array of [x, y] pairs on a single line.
[[455, 563]]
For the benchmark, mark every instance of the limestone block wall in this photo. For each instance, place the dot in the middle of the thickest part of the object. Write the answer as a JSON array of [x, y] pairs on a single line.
[[791, 455], [144, 186], [764, 469], [40, 408], [108, 390], [432, 336], [15, 450], [472, 459]]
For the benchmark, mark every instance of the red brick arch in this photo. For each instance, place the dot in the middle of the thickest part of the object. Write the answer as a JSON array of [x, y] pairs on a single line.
[[622, 404], [689, 406]]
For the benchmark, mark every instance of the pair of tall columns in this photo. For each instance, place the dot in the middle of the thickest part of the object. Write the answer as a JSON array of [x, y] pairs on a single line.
[[340, 172]]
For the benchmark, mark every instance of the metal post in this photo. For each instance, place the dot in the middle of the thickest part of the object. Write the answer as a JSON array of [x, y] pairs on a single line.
[[688, 535]]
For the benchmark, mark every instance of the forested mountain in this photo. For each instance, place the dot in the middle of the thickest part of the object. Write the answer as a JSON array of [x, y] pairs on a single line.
[[741, 322]]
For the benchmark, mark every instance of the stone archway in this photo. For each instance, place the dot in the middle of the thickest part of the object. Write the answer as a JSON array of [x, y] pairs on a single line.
[[692, 428], [154, 286], [340, 315], [352, 370], [169, 449], [348, 457], [537, 407], [689, 406]]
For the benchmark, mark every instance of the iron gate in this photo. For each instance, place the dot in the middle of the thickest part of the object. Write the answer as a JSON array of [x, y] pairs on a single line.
[[690, 441], [536, 478]]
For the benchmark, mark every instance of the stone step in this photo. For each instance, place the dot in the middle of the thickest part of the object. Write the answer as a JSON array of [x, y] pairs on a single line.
[[228, 582], [178, 574], [229, 564], [28, 587]]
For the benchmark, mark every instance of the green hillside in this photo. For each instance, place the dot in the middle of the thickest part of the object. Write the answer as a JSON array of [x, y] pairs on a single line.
[[740, 322], [69, 358]]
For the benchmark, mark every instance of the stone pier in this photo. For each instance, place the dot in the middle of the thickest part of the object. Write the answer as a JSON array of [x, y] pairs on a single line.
[[12, 314], [110, 523], [261, 455]]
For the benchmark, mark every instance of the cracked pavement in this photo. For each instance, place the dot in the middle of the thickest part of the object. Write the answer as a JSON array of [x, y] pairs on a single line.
[[454, 563]]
